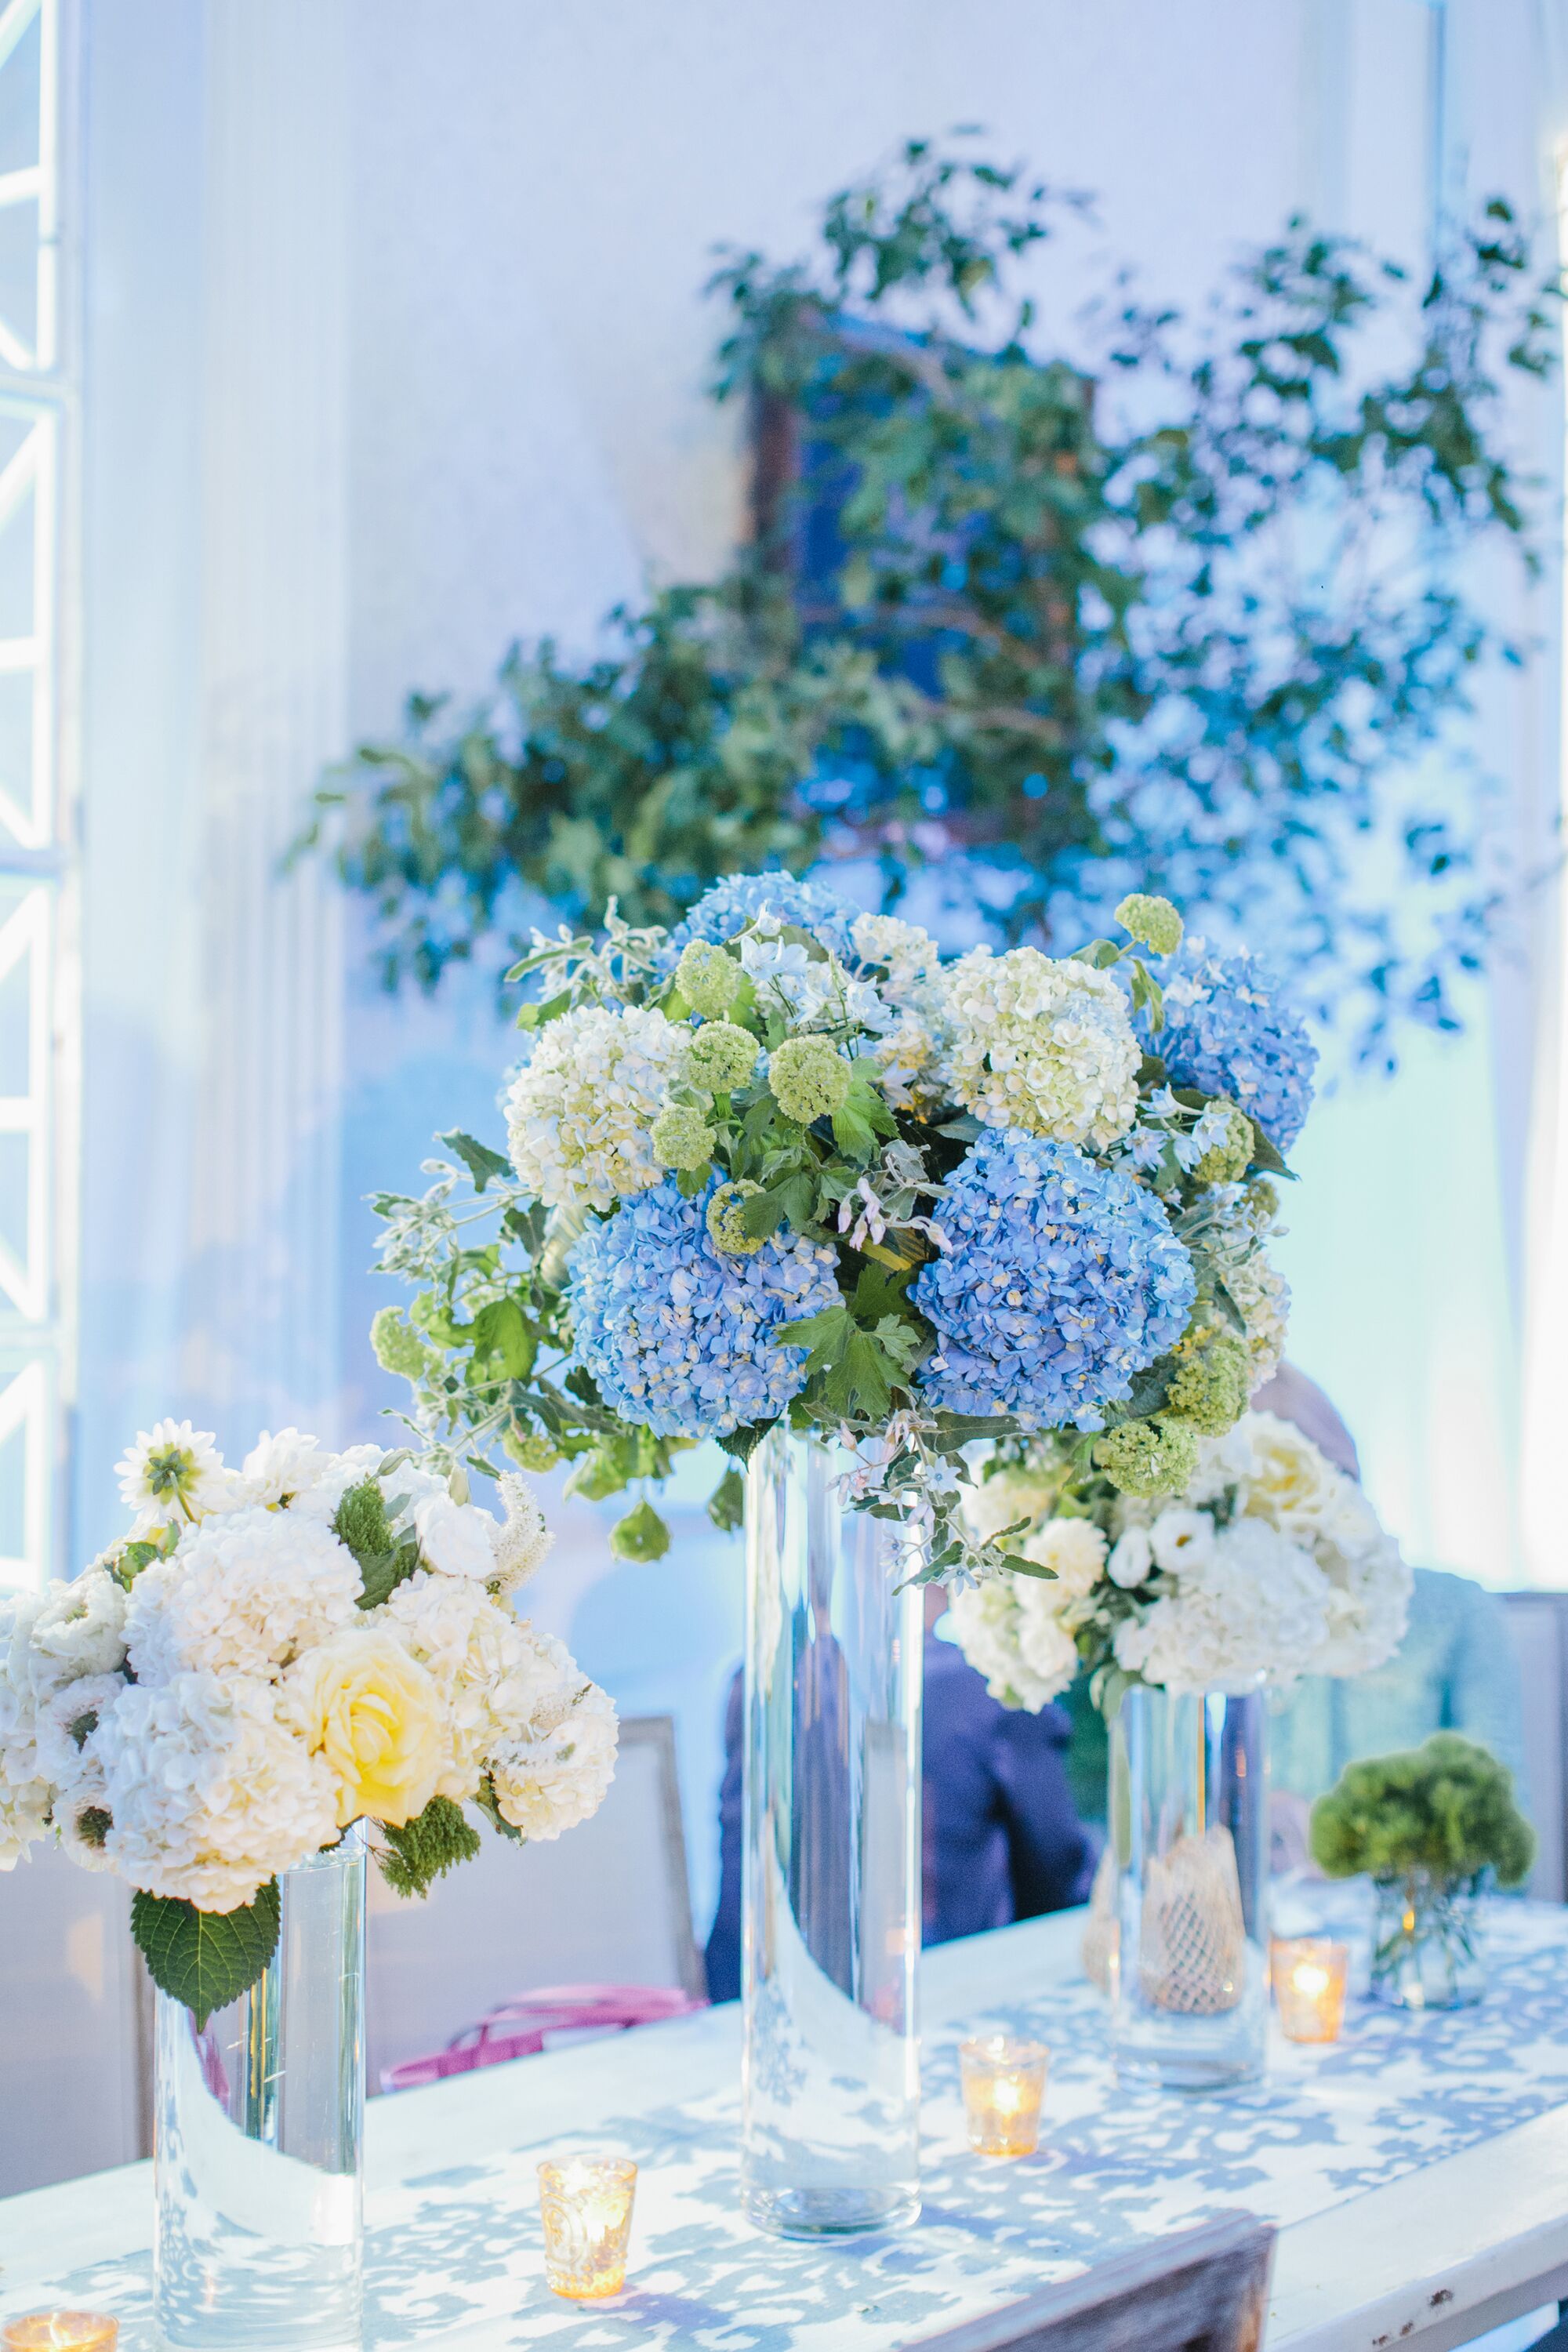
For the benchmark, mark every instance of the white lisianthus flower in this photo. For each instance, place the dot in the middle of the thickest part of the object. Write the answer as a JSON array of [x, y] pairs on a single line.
[[581, 1108], [1042, 1044], [244, 1594], [552, 1772], [524, 1542], [1131, 1559], [209, 1795], [458, 1538], [173, 1472]]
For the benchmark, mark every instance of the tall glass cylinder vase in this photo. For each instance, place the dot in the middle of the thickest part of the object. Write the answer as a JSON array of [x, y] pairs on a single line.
[[1189, 1815], [832, 1911], [257, 2138]]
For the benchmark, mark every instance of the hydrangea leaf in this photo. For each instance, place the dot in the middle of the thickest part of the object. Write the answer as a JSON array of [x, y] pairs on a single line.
[[205, 1958]]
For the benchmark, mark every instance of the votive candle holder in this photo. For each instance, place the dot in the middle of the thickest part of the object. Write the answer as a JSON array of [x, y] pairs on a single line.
[[1003, 2086], [1309, 1978], [585, 2204], [62, 2331]]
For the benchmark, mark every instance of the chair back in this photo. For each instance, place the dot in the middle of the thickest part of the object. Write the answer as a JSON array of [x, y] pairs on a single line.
[[1539, 1624], [609, 1904], [1204, 2290], [75, 2024]]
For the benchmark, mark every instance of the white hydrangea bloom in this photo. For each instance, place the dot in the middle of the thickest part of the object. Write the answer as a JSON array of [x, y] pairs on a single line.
[[524, 1542], [173, 1472], [209, 1795], [1009, 1630], [1250, 1603], [580, 1110], [1042, 1044], [553, 1774], [1262, 1297], [244, 1593]]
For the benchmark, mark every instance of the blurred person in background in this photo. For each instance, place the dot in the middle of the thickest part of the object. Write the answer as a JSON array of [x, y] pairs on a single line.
[[1001, 1838]]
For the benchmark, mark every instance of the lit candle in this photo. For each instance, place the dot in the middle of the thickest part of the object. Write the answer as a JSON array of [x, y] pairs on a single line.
[[1310, 1974], [587, 2205], [1004, 2083], [62, 2331]]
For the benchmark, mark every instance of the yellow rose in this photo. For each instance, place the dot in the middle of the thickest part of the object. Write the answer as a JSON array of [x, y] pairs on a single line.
[[375, 1713]]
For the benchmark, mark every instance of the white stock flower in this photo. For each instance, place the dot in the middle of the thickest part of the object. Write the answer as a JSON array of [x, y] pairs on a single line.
[[458, 1538], [581, 1108], [209, 1795], [553, 1773], [244, 1594], [1042, 1044], [173, 1472], [524, 1540]]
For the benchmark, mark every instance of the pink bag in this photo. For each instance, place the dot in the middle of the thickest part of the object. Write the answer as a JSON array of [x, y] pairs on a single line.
[[553, 2009]]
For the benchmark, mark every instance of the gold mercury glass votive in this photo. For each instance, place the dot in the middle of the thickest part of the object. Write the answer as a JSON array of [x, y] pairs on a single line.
[[1310, 1973], [1004, 2085], [62, 2331], [586, 2207]]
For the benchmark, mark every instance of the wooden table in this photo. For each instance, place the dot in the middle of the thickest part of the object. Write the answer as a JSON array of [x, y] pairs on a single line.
[[1419, 2174]]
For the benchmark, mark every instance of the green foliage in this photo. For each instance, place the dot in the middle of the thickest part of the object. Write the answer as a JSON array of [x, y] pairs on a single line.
[[205, 1958], [1446, 1808], [426, 1848], [1079, 636]]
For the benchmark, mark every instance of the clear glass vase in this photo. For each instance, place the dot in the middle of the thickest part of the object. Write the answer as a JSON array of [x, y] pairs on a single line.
[[832, 1912], [258, 2138], [1189, 1970], [1426, 1940]]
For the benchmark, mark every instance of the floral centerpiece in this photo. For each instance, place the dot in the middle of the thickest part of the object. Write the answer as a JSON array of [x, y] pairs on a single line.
[[1270, 1564], [268, 1655], [1430, 1826], [787, 1160]]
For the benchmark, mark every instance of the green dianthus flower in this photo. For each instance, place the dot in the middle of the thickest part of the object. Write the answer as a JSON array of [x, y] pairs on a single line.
[[398, 1347], [725, 1213], [1148, 1457], [1224, 1163], [708, 979], [1152, 922], [681, 1138], [808, 1076], [1212, 1382], [721, 1056]]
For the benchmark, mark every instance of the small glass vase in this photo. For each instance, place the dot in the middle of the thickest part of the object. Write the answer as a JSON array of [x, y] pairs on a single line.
[[1189, 1809], [259, 2230], [831, 1875], [1426, 1940]]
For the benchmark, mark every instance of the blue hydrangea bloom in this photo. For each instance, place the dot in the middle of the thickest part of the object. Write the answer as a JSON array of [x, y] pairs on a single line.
[[736, 900], [1227, 1033], [676, 1333], [1061, 1280]]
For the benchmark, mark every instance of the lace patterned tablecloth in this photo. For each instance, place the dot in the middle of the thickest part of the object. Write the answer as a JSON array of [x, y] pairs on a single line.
[[454, 2250]]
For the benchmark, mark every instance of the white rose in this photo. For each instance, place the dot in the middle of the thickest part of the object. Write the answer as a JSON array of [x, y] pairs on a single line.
[[458, 1538]]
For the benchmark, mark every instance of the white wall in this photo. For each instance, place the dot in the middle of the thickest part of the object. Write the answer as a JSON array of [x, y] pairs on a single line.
[[397, 351]]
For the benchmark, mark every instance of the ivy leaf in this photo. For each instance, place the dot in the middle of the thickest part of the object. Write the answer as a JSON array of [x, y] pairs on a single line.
[[480, 1162], [205, 1958]]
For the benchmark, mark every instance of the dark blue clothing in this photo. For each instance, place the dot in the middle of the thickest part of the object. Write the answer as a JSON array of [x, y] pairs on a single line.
[[1001, 1840]]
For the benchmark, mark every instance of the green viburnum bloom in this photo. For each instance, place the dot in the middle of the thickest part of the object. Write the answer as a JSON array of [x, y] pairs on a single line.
[[708, 979], [1212, 1381], [398, 1346], [641, 1535], [531, 1449], [725, 1212], [721, 1056], [1148, 1457], [1224, 1163], [681, 1138], [809, 1076], [1152, 922]]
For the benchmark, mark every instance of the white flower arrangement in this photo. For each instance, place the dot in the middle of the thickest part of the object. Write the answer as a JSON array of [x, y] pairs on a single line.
[[1271, 1565], [269, 1655]]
